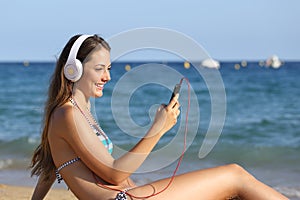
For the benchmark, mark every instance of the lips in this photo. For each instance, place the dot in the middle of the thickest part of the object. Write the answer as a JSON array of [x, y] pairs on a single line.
[[99, 86]]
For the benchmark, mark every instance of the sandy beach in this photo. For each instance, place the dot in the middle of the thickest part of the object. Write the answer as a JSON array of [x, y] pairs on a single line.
[[9, 192]]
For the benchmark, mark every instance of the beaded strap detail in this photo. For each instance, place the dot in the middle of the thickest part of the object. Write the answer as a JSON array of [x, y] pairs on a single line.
[[58, 176], [121, 196], [96, 127]]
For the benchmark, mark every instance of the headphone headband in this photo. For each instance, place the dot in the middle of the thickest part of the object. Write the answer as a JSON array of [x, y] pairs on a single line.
[[75, 48], [73, 67]]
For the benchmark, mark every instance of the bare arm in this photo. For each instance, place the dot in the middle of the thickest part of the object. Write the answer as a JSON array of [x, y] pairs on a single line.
[[165, 119], [42, 187]]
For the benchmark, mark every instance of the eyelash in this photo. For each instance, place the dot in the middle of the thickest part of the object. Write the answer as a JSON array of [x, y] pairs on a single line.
[[109, 68]]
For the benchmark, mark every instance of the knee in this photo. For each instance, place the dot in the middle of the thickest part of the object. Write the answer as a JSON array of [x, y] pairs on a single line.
[[238, 172], [235, 168]]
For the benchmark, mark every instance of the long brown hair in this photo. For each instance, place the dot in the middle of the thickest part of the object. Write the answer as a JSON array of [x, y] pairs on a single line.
[[60, 90]]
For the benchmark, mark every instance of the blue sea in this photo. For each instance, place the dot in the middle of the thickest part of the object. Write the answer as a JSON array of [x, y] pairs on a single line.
[[261, 129]]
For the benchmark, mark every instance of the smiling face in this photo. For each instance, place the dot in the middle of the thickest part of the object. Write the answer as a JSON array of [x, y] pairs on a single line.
[[95, 73]]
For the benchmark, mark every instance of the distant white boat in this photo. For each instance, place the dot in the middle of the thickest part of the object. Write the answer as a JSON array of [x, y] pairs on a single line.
[[210, 63], [274, 62]]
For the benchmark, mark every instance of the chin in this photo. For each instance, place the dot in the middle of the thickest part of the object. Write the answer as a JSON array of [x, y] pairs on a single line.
[[98, 94]]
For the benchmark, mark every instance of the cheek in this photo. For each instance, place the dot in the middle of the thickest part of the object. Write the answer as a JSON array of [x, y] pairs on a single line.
[[97, 76], [91, 76]]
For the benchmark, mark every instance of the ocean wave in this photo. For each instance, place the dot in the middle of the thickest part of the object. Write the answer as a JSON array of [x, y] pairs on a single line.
[[14, 163], [4, 164], [19, 147], [291, 192]]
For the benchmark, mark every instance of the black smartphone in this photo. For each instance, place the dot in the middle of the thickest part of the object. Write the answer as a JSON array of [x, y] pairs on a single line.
[[175, 91]]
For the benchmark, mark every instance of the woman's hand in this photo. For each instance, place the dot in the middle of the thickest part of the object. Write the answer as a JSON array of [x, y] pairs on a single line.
[[166, 116]]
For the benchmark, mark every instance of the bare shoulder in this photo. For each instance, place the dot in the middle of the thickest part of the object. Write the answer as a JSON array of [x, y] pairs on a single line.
[[63, 113], [62, 120]]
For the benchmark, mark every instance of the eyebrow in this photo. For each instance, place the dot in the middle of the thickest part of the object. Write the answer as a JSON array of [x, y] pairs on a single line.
[[102, 65]]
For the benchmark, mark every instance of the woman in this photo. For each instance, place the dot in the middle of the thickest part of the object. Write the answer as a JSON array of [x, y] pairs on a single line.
[[75, 148]]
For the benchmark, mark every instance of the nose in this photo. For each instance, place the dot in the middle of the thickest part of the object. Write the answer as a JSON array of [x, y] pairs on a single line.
[[106, 76]]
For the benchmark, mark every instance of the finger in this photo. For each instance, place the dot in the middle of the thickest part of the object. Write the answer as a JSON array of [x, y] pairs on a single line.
[[177, 105], [173, 101], [176, 96], [178, 113], [162, 106]]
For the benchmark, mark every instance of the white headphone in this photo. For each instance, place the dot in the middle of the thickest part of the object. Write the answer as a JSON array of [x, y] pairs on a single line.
[[73, 68]]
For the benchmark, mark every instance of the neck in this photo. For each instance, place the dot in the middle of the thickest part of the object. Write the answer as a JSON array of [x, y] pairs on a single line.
[[81, 99]]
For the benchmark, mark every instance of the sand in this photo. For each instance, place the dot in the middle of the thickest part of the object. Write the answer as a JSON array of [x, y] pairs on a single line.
[[9, 192]]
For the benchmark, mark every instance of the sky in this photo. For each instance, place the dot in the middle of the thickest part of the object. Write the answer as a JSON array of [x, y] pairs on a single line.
[[227, 30]]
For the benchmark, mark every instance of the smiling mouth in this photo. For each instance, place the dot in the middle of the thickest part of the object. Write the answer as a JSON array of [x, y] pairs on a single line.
[[100, 86]]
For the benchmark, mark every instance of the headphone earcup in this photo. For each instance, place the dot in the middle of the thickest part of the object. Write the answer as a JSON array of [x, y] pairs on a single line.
[[73, 68], [73, 71]]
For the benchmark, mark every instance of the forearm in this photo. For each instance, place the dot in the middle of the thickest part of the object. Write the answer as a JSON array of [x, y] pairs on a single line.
[[123, 167], [42, 187], [166, 118], [132, 160]]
